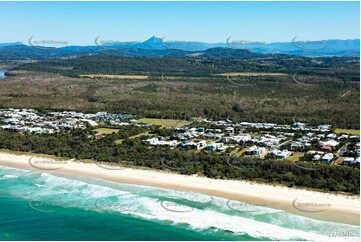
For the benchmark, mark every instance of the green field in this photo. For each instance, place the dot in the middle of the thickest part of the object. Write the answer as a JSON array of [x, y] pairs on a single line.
[[164, 122], [295, 157], [119, 141], [106, 131], [348, 131]]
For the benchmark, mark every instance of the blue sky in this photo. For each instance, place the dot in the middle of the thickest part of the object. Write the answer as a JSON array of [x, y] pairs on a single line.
[[79, 23]]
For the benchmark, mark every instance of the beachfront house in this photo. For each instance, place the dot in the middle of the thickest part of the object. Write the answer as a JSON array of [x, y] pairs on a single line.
[[327, 158], [157, 142], [316, 157], [255, 150], [348, 161], [280, 154], [214, 146], [223, 148], [192, 145]]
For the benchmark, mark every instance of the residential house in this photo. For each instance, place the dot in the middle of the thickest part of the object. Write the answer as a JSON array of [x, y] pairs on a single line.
[[213, 146], [316, 157], [229, 130], [281, 154], [255, 150], [327, 158], [348, 161]]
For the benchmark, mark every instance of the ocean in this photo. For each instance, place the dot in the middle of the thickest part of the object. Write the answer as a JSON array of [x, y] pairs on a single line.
[[42, 206]]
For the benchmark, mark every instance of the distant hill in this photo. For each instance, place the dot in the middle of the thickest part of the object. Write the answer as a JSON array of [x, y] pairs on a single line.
[[24, 52], [160, 47], [296, 47], [9, 44], [317, 48]]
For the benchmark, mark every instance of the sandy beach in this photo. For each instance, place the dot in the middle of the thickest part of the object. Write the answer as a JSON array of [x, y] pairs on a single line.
[[317, 205]]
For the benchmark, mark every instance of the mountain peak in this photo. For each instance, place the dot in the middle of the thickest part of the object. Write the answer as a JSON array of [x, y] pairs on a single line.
[[153, 39], [153, 42]]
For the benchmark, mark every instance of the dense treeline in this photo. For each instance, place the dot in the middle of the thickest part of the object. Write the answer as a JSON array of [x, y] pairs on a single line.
[[24, 52], [202, 66], [133, 152]]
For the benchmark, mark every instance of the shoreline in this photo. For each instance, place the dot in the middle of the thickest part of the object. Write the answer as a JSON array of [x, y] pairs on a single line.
[[306, 203]]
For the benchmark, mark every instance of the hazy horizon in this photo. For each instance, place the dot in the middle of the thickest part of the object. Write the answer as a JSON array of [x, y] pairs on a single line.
[[79, 23]]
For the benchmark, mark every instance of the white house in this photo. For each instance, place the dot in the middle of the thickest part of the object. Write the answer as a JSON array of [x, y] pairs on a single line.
[[223, 148], [256, 150], [331, 136], [281, 154], [324, 127], [299, 125], [348, 161], [90, 122], [229, 130], [214, 146], [327, 158], [152, 141], [329, 142], [316, 157]]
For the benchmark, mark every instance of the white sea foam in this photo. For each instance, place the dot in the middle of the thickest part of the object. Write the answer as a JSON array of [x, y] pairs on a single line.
[[198, 211], [9, 177], [205, 219], [40, 185]]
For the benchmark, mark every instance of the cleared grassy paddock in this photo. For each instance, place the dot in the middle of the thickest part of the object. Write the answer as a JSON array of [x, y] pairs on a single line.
[[295, 157], [348, 131], [116, 76], [239, 153], [251, 74], [106, 131], [119, 141], [164, 122]]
